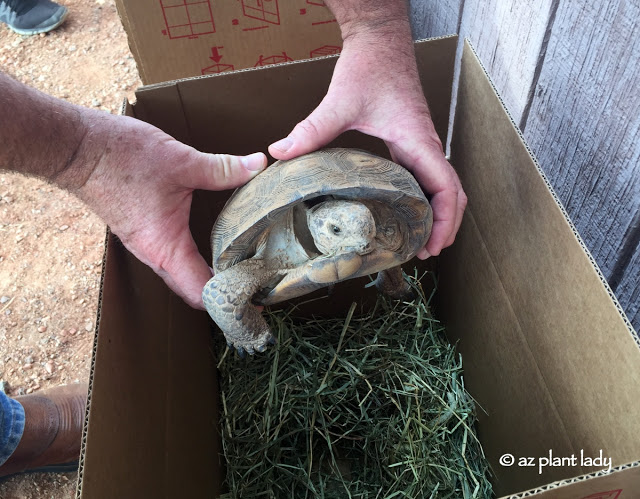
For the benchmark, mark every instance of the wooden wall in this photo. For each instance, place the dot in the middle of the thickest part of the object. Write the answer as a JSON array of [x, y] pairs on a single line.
[[569, 73]]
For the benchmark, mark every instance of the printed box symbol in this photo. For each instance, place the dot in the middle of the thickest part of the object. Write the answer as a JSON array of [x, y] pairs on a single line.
[[202, 28], [187, 18], [609, 494], [200, 13], [325, 50], [217, 68], [264, 10], [176, 16], [273, 59]]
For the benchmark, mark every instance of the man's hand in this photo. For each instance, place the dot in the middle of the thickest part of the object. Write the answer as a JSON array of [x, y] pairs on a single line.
[[375, 89], [138, 179], [141, 185]]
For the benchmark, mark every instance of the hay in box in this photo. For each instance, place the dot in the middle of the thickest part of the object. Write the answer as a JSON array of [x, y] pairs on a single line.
[[371, 406]]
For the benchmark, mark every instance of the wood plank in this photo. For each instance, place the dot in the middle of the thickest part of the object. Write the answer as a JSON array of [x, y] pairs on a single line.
[[584, 127], [431, 18], [508, 36]]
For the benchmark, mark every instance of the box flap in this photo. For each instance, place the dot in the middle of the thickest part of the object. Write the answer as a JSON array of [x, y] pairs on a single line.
[[173, 39], [153, 405], [599, 485], [547, 350], [238, 112]]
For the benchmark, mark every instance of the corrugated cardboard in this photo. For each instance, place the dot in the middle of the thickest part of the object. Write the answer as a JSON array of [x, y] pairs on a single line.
[[173, 39], [548, 354], [541, 337]]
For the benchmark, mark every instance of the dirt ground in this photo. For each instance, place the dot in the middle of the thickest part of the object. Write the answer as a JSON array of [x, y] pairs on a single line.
[[51, 245]]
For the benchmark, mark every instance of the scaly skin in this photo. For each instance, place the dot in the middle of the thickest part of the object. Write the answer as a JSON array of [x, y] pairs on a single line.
[[391, 283], [227, 298]]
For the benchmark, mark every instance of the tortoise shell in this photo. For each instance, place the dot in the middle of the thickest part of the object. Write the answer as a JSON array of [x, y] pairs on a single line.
[[329, 173]]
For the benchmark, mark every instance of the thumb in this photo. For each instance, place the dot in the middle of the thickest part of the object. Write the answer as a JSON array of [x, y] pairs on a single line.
[[216, 172], [321, 127]]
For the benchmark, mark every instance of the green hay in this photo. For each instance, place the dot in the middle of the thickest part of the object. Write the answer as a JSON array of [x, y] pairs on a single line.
[[372, 406]]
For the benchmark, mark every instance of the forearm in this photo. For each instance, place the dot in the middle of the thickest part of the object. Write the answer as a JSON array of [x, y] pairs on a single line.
[[42, 136], [377, 33]]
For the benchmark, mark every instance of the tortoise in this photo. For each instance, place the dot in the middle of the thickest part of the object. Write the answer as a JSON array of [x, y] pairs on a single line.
[[307, 223]]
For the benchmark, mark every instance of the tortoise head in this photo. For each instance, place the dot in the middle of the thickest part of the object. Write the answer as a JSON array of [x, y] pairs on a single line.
[[340, 226]]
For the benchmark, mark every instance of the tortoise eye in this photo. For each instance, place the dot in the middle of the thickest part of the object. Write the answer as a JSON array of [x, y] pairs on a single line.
[[336, 229]]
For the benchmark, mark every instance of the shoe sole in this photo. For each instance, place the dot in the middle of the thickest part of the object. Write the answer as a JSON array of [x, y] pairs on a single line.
[[37, 31]]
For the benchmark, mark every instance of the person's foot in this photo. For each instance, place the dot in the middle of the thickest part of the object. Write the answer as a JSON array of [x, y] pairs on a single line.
[[54, 420], [30, 17]]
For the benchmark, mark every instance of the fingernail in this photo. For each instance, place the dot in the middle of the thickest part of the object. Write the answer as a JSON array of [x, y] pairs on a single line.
[[423, 254], [283, 145], [254, 162]]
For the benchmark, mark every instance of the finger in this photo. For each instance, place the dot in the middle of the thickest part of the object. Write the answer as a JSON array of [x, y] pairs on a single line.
[[461, 206], [321, 127], [444, 206], [423, 254], [217, 172], [437, 178]]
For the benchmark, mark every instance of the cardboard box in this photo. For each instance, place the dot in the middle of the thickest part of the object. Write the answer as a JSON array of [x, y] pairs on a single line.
[[180, 38], [547, 351]]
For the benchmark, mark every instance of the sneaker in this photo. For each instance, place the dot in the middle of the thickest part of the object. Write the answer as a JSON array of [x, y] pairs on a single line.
[[30, 17]]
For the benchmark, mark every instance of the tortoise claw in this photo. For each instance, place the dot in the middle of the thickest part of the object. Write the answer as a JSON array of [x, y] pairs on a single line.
[[269, 340], [249, 349], [244, 348]]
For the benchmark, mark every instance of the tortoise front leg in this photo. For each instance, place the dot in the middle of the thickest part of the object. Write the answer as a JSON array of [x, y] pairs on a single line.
[[227, 298], [391, 283], [313, 275]]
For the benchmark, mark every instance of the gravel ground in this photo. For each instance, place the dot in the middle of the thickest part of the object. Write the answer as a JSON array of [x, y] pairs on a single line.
[[51, 245]]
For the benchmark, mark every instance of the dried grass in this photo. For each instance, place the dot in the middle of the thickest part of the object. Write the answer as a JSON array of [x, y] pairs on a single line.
[[370, 406]]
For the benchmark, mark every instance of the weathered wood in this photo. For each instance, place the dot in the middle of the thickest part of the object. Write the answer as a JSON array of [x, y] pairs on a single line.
[[508, 36], [584, 127], [568, 73], [431, 18]]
